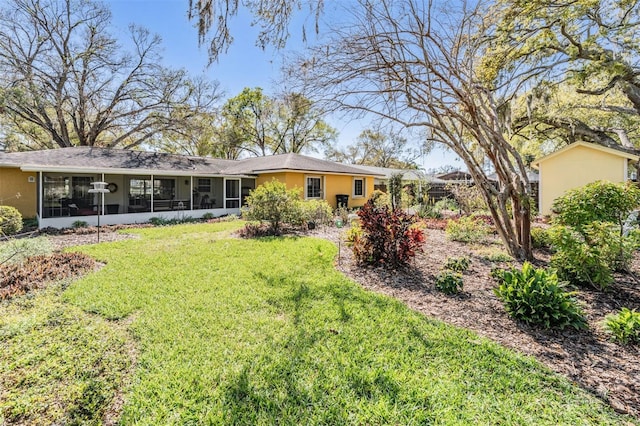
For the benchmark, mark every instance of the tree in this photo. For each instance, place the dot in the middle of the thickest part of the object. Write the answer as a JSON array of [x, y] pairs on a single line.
[[248, 117], [298, 125], [416, 64], [376, 148], [65, 82], [588, 47], [262, 125], [273, 17]]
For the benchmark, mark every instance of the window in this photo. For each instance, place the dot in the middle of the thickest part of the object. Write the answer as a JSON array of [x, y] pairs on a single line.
[[204, 185], [313, 187], [358, 187], [232, 193], [164, 189]]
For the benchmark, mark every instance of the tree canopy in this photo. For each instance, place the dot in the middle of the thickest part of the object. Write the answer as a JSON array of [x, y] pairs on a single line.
[[581, 56], [376, 148], [65, 80], [263, 125]]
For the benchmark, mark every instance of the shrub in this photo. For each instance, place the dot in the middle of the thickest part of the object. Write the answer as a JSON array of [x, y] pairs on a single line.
[[467, 230], [255, 230], [79, 224], [16, 279], [395, 190], [163, 221], [589, 237], [493, 254], [457, 264], [592, 256], [624, 326], [449, 282], [429, 210], [272, 202], [10, 220], [596, 202], [390, 238], [318, 211], [536, 297], [446, 204], [343, 214], [468, 197], [354, 233], [18, 250], [208, 216], [540, 238]]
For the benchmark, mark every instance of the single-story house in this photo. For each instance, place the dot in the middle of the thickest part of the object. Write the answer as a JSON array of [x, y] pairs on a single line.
[[576, 165], [54, 185]]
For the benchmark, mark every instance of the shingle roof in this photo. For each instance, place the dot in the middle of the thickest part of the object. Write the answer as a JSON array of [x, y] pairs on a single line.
[[110, 160], [294, 162], [407, 174], [101, 159]]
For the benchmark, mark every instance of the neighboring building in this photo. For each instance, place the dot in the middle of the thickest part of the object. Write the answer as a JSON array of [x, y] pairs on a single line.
[[534, 181], [577, 165], [385, 173], [53, 185]]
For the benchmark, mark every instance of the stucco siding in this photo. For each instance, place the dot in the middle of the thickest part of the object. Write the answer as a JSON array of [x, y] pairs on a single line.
[[575, 168], [13, 181], [333, 185]]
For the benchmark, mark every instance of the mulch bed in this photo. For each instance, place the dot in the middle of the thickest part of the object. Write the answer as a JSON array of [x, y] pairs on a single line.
[[588, 358]]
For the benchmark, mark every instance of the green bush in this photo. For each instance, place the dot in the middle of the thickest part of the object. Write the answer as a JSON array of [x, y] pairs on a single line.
[[592, 256], [354, 233], [596, 202], [624, 326], [540, 238], [10, 220], [79, 224], [446, 204], [208, 216], [536, 297], [429, 210], [272, 202], [457, 264], [318, 211], [467, 230], [449, 282]]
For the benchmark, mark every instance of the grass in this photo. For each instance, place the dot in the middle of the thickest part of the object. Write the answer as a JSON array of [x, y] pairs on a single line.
[[266, 331]]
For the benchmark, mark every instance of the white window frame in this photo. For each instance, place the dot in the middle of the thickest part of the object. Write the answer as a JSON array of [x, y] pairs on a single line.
[[364, 187], [306, 187]]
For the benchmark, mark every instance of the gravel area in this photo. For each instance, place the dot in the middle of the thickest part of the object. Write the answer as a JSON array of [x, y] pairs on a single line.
[[588, 357]]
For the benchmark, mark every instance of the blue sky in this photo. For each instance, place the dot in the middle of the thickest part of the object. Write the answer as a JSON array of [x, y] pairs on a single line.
[[245, 65]]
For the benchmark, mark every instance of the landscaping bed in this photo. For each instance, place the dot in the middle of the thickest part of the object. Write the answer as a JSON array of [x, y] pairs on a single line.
[[607, 369]]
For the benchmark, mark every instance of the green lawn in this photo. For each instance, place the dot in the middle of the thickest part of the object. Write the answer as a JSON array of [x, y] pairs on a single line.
[[229, 331]]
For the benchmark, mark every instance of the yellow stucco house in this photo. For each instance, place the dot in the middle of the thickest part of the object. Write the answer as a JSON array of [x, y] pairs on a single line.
[[577, 165], [55, 185]]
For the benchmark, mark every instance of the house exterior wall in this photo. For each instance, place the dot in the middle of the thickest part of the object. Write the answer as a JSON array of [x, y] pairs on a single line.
[[575, 168], [333, 185], [14, 181]]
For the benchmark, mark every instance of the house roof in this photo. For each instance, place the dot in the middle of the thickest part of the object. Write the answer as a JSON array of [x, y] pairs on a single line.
[[596, 147], [110, 160], [407, 174], [532, 175], [103, 160], [294, 162]]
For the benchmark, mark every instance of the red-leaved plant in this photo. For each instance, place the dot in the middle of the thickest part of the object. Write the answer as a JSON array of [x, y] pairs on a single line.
[[390, 238]]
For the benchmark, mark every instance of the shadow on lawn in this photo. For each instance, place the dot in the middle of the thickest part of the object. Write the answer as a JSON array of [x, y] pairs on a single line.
[[287, 382]]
